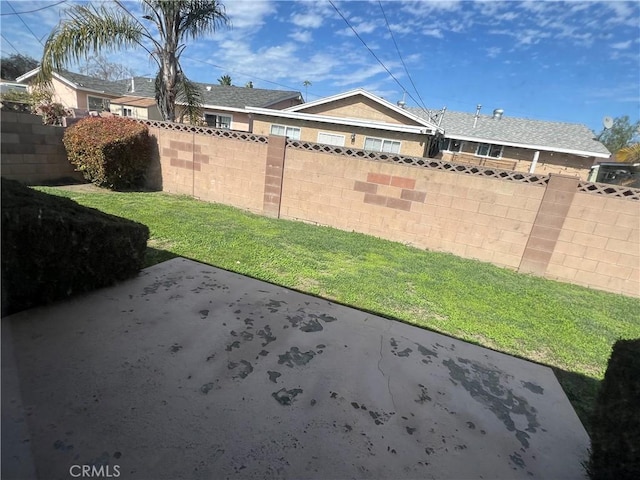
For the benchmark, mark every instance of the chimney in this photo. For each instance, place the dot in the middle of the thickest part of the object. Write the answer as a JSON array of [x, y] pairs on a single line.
[[475, 118]]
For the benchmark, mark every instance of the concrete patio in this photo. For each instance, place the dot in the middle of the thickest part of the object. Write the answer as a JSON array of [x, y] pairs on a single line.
[[192, 372]]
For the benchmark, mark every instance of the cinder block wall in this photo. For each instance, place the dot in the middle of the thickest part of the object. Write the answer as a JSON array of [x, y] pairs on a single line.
[[31, 152], [473, 217], [599, 245], [210, 168]]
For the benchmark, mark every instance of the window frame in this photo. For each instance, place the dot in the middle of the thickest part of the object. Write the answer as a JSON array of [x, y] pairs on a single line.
[[286, 128], [490, 148], [127, 111], [330, 134], [447, 145], [217, 122], [103, 100], [382, 143]]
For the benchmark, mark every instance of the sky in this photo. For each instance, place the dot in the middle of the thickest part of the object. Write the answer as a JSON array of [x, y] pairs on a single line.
[[573, 62]]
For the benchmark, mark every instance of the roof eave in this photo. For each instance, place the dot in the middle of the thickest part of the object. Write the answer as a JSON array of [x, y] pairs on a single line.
[[354, 122]]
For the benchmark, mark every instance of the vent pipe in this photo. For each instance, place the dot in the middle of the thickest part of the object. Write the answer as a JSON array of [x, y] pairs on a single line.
[[133, 85], [497, 113], [475, 118]]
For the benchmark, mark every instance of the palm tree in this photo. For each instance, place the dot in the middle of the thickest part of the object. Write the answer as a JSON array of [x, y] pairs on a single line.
[[629, 154], [91, 29], [225, 80], [306, 84]]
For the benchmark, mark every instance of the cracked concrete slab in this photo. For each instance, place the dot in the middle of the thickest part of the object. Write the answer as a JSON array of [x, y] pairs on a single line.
[[193, 372]]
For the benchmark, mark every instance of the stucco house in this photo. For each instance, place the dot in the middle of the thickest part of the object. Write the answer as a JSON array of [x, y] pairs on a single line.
[[223, 106], [362, 120], [518, 144], [356, 119]]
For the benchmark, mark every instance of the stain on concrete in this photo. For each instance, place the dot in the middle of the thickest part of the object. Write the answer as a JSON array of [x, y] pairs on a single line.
[[245, 369], [425, 352], [410, 430], [471, 425], [206, 388], [286, 397], [203, 314], [423, 395], [233, 345], [294, 357], [175, 348], [380, 418], [266, 335], [517, 460], [247, 336], [532, 387], [274, 305], [484, 385], [273, 376], [403, 353]]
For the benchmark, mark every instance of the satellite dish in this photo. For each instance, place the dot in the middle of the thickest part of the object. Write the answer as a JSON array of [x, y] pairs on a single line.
[[607, 122]]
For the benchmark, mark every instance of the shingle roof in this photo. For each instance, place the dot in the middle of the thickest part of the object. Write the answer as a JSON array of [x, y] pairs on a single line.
[[217, 95], [552, 136]]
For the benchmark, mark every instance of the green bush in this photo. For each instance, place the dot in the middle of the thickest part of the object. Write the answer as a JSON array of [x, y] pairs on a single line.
[[53, 248], [111, 152], [615, 439]]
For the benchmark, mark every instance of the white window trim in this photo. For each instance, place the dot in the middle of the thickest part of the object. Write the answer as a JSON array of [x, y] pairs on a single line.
[[102, 99], [382, 146], [448, 144], [219, 114], [343, 137], [286, 128], [489, 150]]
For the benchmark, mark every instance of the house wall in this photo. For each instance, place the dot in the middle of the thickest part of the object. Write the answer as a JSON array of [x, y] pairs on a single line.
[[67, 96], [410, 144], [362, 107], [31, 152], [520, 159]]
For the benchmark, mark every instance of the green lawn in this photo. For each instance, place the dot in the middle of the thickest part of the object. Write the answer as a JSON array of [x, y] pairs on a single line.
[[564, 326]]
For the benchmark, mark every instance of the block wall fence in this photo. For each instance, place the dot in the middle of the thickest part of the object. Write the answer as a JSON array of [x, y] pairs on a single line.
[[31, 152], [554, 226]]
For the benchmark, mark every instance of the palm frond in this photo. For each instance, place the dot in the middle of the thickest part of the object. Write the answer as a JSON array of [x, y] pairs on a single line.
[[87, 30], [629, 154], [189, 95]]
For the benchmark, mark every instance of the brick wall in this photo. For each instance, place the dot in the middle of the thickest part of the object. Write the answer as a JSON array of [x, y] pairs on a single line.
[[32, 152]]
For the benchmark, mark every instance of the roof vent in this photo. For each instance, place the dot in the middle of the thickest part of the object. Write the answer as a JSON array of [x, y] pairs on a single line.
[[497, 113], [208, 88]]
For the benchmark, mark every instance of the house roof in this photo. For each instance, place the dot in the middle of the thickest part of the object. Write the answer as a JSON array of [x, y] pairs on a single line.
[[521, 132], [212, 96], [422, 120]]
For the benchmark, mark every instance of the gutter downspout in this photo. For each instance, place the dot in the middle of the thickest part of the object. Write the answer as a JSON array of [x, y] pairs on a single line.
[[532, 168]]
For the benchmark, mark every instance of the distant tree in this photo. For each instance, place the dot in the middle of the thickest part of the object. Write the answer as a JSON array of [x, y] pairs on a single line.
[[620, 135], [629, 154], [13, 66], [163, 30], [100, 67], [306, 84], [225, 80], [249, 84]]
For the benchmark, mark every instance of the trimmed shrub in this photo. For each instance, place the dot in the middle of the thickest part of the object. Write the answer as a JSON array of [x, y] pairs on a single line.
[[53, 248], [615, 439], [111, 152]]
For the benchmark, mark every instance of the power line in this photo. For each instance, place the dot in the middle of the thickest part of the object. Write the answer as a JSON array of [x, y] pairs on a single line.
[[10, 44], [422, 104], [24, 23], [32, 11]]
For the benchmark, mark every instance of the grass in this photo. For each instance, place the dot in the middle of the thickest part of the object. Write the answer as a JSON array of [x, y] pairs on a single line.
[[567, 327]]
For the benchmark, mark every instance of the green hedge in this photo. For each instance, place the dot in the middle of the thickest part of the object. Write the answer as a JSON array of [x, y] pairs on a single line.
[[615, 438], [53, 248], [111, 152]]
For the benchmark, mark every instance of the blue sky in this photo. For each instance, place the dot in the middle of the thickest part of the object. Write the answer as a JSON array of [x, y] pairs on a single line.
[[559, 61]]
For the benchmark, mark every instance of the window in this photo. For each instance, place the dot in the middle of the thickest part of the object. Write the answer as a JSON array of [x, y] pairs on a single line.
[[127, 112], [451, 145], [284, 131], [488, 150], [381, 145], [98, 104], [331, 139], [217, 121]]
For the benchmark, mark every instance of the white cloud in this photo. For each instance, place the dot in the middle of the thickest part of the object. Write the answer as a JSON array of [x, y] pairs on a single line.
[[307, 20], [493, 52], [249, 14], [302, 36], [622, 45]]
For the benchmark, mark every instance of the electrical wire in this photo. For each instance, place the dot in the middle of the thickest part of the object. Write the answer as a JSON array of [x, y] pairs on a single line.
[[24, 23], [32, 11], [10, 44]]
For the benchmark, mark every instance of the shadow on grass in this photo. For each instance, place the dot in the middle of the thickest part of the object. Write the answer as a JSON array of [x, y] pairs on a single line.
[[156, 255], [582, 392]]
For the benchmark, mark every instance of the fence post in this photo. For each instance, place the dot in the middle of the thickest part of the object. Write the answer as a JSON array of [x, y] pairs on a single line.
[[552, 212]]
